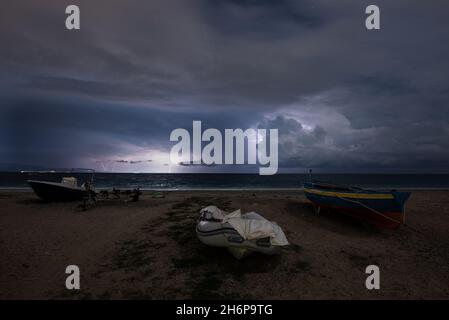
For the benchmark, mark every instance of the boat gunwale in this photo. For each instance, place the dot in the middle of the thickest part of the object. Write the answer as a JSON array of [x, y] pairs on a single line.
[[356, 195], [56, 184]]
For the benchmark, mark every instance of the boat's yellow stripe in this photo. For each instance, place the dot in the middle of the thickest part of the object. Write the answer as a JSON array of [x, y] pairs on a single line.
[[351, 195]]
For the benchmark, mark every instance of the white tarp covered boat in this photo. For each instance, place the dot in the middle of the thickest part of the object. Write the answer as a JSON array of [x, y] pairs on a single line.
[[240, 233]]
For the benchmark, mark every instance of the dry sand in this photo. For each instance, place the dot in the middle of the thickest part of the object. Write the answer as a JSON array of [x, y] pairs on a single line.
[[149, 250]]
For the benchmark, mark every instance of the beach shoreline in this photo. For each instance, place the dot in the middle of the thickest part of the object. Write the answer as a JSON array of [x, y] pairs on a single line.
[[149, 250], [29, 189]]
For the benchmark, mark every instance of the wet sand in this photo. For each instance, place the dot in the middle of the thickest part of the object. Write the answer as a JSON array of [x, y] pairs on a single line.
[[149, 250]]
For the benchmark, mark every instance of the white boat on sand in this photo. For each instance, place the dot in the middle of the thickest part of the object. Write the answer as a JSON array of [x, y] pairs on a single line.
[[241, 234]]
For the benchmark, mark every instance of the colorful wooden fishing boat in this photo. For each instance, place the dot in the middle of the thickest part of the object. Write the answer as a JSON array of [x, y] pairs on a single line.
[[382, 208]]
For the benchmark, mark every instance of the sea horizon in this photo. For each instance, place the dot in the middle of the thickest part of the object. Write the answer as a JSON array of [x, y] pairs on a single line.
[[231, 181]]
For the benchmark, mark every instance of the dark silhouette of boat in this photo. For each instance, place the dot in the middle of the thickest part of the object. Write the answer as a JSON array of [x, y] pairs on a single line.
[[66, 190], [54, 191], [382, 208]]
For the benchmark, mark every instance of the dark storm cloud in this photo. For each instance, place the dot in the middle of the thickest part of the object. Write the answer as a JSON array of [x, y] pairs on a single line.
[[267, 19], [406, 149], [67, 130], [342, 96]]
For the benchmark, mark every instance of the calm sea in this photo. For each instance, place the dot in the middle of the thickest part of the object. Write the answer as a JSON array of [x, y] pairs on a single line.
[[233, 181]]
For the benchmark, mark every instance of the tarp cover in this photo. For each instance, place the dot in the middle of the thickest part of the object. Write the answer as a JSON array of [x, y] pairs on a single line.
[[249, 225], [69, 181]]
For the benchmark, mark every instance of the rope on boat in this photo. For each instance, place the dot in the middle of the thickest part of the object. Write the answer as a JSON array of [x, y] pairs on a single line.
[[371, 209]]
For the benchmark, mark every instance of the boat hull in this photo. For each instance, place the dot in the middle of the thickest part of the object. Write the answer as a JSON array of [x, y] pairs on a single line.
[[215, 234], [383, 209], [49, 191]]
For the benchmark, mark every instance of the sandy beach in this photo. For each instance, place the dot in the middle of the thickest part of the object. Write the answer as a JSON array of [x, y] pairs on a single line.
[[149, 250]]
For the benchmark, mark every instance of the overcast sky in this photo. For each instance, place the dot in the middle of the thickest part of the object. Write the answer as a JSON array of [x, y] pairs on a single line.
[[107, 96]]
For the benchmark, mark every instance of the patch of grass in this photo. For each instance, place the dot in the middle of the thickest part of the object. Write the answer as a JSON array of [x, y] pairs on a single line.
[[362, 262], [207, 287], [255, 263], [188, 263], [134, 254], [359, 260], [301, 266], [295, 247], [182, 233], [182, 206], [177, 217], [137, 295]]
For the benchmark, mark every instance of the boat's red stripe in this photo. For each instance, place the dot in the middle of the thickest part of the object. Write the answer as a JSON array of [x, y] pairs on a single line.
[[394, 220]]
